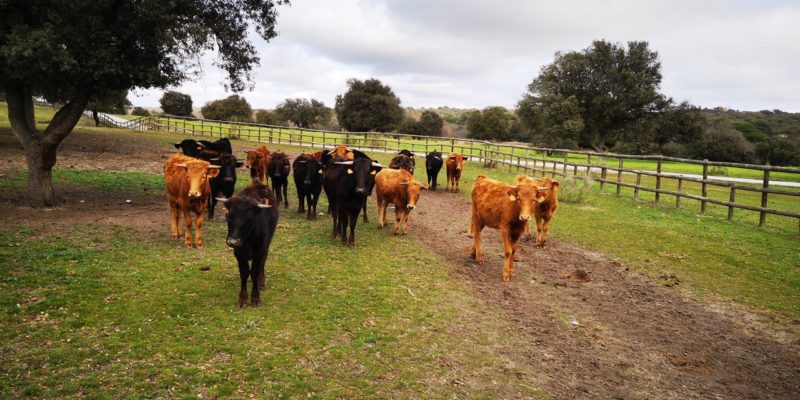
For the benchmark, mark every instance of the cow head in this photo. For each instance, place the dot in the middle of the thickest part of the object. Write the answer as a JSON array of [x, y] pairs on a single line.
[[190, 147], [313, 168], [402, 161], [413, 189], [432, 158], [457, 159], [241, 213], [526, 195], [228, 165], [198, 173], [278, 164], [363, 170]]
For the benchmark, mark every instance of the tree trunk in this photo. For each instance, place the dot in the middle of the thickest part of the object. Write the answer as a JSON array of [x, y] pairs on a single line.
[[40, 147], [96, 118]]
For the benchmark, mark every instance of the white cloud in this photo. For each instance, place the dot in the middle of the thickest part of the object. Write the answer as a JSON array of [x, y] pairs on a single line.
[[471, 53]]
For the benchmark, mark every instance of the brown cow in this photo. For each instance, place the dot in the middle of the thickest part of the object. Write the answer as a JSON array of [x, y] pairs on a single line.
[[188, 191], [257, 162], [543, 212], [398, 187], [455, 163], [503, 207], [343, 152]]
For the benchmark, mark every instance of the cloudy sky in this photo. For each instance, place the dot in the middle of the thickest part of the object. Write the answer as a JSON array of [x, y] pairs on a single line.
[[469, 53]]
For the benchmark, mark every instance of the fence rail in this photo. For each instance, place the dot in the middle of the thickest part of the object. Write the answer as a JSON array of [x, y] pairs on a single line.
[[526, 158]]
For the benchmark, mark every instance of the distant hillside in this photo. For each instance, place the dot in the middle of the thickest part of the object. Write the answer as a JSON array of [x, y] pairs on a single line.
[[455, 119], [757, 125]]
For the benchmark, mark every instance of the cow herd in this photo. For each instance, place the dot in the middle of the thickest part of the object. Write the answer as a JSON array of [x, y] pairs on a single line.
[[204, 173]]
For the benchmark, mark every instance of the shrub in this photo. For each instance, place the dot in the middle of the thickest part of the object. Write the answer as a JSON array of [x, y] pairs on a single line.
[[141, 112], [575, 190]]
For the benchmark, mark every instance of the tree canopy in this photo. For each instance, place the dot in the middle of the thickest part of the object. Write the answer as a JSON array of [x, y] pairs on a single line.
[[176, 103], [589, 98], [304, 113], [493, 123], [71, 51], [232, 108], [368, 106]]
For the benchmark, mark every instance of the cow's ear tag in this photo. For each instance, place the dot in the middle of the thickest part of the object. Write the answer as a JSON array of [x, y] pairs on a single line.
[[373, 172], [349, 171], [320, 172], [511, 197]]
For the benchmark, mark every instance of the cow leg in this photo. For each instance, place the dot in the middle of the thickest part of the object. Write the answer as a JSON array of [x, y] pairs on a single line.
[[187, 220], [174, 220], [381, 212], [366, 219], [212, 202], [545, 228], [508, 253], [353, 221], [244, 272], [255, 275], [286, 194], [398, 219], [475, 227], [406, 212], [198, 234], [301, 201], [539, 233], [262, 268]]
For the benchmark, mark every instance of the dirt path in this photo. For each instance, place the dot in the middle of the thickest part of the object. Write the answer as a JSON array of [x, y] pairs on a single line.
[[619, 335]]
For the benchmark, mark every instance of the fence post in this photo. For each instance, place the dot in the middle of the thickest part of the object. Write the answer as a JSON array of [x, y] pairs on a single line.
[[704, 187], [680, 190], [619, 178], [762, 218], [603, 172], [636, 189], [565, 164], [732, 200], [658, 181], [589, 165]]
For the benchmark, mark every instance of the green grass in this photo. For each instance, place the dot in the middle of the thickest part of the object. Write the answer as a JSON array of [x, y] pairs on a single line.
[[104, 180], [118, 312], [715, 258]]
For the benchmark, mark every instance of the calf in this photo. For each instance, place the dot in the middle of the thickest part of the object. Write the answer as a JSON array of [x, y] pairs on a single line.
[[224, 184], [307, 172], [455, 163], [433, 164], [543, 212], [398, 187], [251, 225], [204, 149], [402, 161], [503, 207], [278, 169], [257, 161], [346, 184], [188, 190]]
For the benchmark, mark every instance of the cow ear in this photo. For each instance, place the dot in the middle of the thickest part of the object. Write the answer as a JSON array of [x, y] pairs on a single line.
[[177, 145], [212, 172], [512, 194], [239, 164], [556, 184], [466, 158]]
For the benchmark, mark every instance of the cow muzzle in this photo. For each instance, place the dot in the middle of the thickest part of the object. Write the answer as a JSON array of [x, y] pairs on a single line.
[[411, 206], [361, 190], [194, 195], [524, 217], [306, 182], [233, 242], [227, 179]]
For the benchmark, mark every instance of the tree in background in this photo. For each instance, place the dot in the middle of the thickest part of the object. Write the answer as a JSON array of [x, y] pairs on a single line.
[[71, 51], [176, 103], [232, 108], [266, 117], [140, 112], [431, 123], [607, 87], [493, 123], [113, 102], [368, 106], [304, 113]]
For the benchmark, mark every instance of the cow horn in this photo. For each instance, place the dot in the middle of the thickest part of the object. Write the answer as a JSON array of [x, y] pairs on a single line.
[[344, 162], [182, 165], [376, 164], [214, 166], [405, 183], [213, 159], [265, 204], [302, 162], [543, 187], [223, 199]]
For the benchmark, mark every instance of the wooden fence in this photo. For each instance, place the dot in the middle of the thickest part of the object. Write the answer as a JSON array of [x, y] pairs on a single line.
[[535, 160]]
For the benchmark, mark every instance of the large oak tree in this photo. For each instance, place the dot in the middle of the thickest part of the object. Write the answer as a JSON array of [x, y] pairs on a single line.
[[368, 106], [73, 51]]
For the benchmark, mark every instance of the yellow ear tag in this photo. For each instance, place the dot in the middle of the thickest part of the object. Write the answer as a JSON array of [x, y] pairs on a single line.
[[512, 198], [373, 172], [320, 172], [349, 171]]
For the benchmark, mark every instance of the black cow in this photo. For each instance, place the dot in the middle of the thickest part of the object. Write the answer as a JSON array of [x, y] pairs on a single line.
[[370, 183], [308, 180], [224, 184], [347, 185], [251, 224], [278, 170], [433, 164], [204, 149]]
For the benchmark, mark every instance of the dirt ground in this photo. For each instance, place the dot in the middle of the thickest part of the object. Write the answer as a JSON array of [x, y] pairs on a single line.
[[609, 334]]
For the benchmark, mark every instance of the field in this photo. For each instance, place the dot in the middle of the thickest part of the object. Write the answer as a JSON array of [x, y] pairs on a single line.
[[96, 300]]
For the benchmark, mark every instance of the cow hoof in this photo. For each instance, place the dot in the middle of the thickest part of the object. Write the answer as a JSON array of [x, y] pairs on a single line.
[[255, 302], [241, 303], [505, 278]]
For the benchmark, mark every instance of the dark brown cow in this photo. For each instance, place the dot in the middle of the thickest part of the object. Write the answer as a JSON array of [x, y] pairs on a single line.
[[543, 212], [188, 191], [398, 187], [455, 163], [503, 207], [402, 161], [257, 162]]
